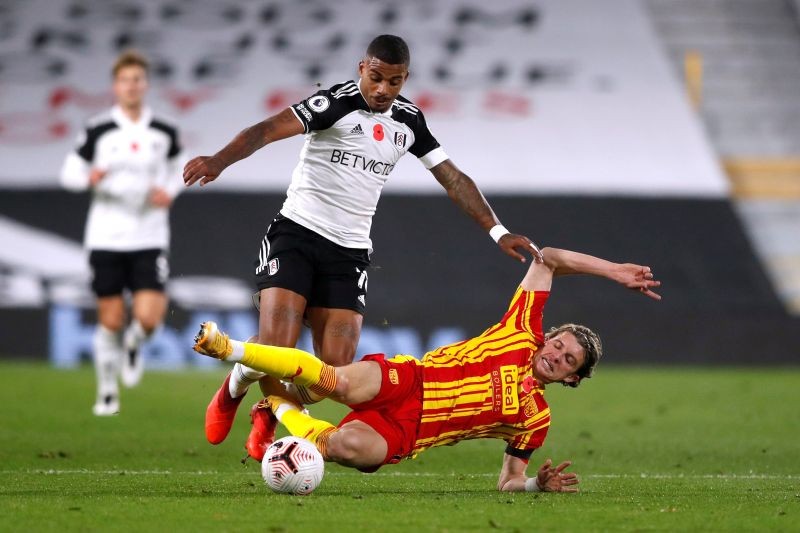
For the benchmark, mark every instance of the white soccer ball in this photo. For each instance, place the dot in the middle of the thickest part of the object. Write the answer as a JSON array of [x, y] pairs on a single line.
[[292, 465]]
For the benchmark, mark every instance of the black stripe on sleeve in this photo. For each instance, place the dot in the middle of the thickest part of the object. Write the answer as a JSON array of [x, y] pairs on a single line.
[[172, 133], [93, 134]]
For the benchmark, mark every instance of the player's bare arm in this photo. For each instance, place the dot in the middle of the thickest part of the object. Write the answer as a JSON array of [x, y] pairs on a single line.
[[463, 191], [207, 168], [548, 478], [559, 262]]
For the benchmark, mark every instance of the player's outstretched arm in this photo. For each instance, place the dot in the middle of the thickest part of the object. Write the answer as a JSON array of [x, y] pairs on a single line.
[[548, 478], [558, 262], [463, 191], [206, 169]]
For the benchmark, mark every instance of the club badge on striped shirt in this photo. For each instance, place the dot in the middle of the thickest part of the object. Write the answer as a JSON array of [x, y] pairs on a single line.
[[273, 266]]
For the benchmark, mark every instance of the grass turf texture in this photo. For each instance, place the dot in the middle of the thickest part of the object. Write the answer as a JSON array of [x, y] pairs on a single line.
[[657, 449]]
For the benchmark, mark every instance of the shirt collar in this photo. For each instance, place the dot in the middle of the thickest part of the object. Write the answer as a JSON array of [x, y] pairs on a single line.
[[122, 119]]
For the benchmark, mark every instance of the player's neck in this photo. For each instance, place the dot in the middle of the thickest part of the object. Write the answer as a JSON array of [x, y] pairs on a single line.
[[133, 112]]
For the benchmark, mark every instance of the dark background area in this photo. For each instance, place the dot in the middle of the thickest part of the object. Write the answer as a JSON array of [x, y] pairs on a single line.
[[433, 267]]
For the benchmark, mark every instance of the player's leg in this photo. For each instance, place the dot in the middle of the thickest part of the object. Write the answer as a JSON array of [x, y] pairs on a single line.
[[147, 276], [283, 276], [354, 444], [108, 353], [336, 306], [147, 314], [107, 284], [354, 383]]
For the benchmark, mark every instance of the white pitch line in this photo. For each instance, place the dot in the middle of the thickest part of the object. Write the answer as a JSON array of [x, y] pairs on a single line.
[[53, 472]]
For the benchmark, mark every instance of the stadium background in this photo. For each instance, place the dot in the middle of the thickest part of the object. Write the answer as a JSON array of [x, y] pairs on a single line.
[[572, 116]]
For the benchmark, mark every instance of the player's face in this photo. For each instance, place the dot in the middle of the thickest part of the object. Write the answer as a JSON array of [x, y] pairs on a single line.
[[381, 82], [559, 359], [130, 86]]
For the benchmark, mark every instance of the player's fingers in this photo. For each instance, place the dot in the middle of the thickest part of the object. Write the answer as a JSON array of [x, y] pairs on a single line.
[[536, 252], [546, 466], [653, 295], [513, 253], [562, 466], [569, 489]]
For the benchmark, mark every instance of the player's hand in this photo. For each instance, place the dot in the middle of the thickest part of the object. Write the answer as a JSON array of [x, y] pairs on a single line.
[[160, 197], [204, 169], [514, 245], [638, 278], [95, 175], [552, 479]]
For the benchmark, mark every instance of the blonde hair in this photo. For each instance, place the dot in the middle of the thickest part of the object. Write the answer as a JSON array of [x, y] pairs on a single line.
[[589, 341], [129, 58]]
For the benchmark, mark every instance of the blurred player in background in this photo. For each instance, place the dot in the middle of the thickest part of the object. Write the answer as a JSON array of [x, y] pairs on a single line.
[[490, 386], [130, 160], [313, 260]]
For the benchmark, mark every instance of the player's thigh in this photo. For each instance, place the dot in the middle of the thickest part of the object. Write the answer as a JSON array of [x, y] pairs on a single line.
[[111, 312], [109, 272], [149, 307], [358, 382], [280, 316], [335, 333], [358, 445], [147, 270]]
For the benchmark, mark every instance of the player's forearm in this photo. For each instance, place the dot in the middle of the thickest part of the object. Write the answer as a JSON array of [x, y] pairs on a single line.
[[515, 484], [565, 262], [244, 144], [466, 195]]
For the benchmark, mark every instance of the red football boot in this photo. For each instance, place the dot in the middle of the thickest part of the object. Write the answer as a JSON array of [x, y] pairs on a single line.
[[263, 432], [220, 413]]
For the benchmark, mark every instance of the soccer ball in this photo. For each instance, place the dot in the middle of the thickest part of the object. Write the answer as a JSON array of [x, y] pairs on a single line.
[[292, 465]]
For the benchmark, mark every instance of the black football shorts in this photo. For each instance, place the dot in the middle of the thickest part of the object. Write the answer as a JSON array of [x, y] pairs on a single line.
[[328, 275], [112, 272]]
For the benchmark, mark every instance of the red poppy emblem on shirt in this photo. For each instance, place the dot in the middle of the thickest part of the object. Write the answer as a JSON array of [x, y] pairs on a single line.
[[377, 132], [134, 147], [527, 384]]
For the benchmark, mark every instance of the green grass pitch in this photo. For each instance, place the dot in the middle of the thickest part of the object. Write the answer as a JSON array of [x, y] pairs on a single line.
[[657, 450]]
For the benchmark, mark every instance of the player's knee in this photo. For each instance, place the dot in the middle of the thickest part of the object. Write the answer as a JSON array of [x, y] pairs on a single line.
[[339, 357], [342, 388], [111, 321], [149, 324], [346, 447]]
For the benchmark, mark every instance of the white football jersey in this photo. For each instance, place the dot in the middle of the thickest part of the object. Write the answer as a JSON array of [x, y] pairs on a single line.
[[348, 155], [137, 156]]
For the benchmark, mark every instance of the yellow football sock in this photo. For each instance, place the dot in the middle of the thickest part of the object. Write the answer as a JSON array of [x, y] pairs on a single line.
[[302, 425], [291, 364]]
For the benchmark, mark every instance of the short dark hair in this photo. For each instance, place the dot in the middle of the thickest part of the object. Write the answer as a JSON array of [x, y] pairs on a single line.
[[591, 344], [390, 49]]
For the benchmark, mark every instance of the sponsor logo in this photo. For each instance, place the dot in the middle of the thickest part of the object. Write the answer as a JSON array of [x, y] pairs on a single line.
[[273, 266], [377, 132], [318, 104], [356, 161], [357, 130], [393, 377], [504, 385], [304, 111], [400, 139]]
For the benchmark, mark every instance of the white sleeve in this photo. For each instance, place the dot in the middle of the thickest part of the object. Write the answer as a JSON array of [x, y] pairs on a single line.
[[173, 177], [75, 173]]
